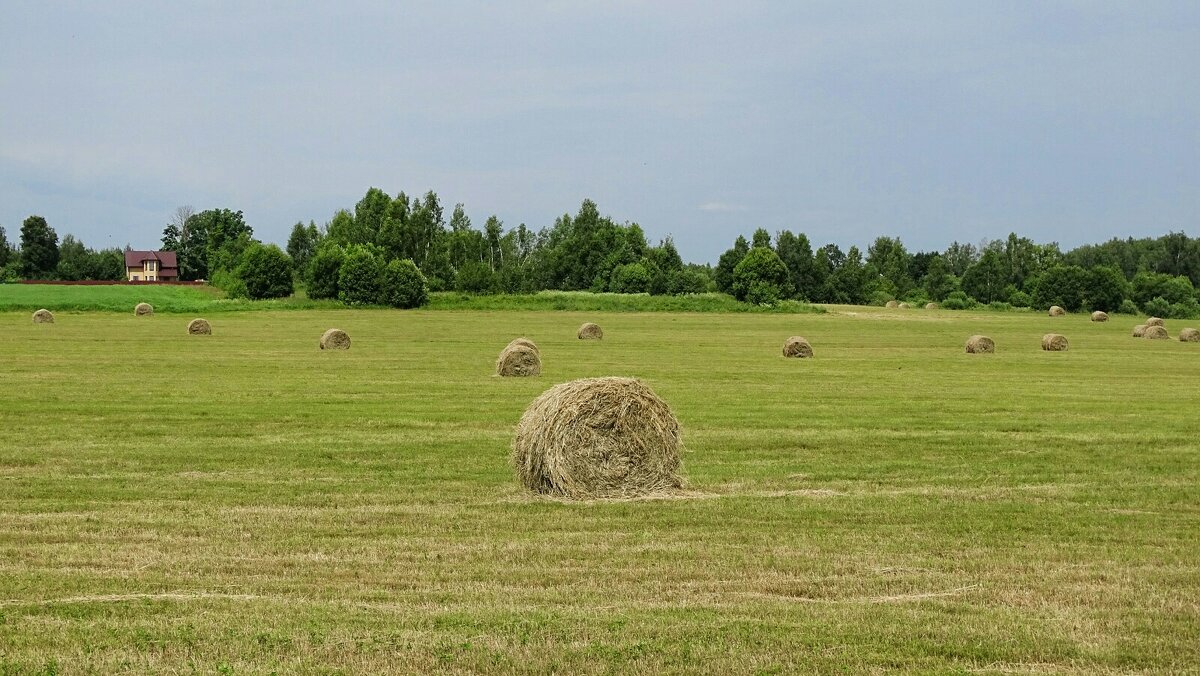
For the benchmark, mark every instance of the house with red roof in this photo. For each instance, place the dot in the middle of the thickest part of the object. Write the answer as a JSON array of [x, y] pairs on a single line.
[[151, 266]]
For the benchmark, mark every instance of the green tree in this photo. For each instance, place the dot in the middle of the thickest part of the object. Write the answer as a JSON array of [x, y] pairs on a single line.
[[266, 271], [1061, 285], [630, 278], [796, 253], [729, 260], [761, 277], [403, 285], [39, 248], [370, 214], [938, 282], [986, 278], [324, 271], [1105, 289], [72, 260], [6, 250], [761, 239], [959, 257], [302, 244], [475, 277], [360, 280], [892, 261], [107, 264]]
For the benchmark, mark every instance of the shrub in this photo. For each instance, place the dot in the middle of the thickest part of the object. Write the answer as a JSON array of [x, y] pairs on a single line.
[[630, 278], [1128, 307], [683, 282], [1188, 309], [403, 285], [230, 283], [1020, 299], [1105, 288], [760, 277], [1000, 305], [266, 271], [881, 297], [323, 272], [1157, 307], [360, 281], [958, 300], [475, 277], [1062, 285]]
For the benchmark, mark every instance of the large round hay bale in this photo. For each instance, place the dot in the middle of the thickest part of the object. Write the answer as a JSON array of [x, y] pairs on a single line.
[[143, 309], [519, 360], [904, 306], [598, 438], [1156, 333], [43, 316], [335, 339], [1189, 336], [892, 304], [980, 345], [932, 306], [590, 331], [1056, 311], [1054, 342], [1155, 321], [199, 327], [1139, 330], [525, 342], [1099, 316], [797, 347]]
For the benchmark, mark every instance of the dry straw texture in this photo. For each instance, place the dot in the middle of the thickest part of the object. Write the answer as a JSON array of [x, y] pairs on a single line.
[[519, 360], [590, 331], [1139, 330], [527, 343], [1156, 333], [797, 346], [904, 306], [598, 438], [1056, 311], [1189, 336], [43, 316], [335, 339], [931, 306], [980, 345], [1099, 316], [1054, 342], [892, 303], [199, 327], [1155, 321], [143, 309]]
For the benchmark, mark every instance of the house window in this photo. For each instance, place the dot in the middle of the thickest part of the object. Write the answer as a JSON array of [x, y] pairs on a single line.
[[135, 278]]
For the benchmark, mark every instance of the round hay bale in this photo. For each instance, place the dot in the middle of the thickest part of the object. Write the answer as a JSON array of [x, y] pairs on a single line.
[[143, 309], [590, 331], [1189, 336], [199, 327], [932, 306], [1156, 333], [598, 438], [1099, 316], [892, 304], [335, 339], [980, 345], [525, 342], [1155, 321], [904, 306], [1054, 342], [797, 347], [1056, 311], [43, 316], [1139, 330], [519, 360]]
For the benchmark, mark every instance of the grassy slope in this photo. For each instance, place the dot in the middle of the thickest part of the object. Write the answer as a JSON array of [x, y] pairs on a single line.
[[247, 501]]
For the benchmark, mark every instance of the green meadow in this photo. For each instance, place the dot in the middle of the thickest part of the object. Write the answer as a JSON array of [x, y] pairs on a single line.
[[246, 503]]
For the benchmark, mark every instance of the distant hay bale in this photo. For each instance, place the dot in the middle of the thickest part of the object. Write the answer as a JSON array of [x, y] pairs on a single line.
[[797, 347], [520, 361], [590, 331], [43, 316], [932, 306], [335, 339], [598, 438], [1139, 330], [980, 345], [1155, 321], [199, 327], [143, 310], [526, 342], [1099, 316], [1054, 342], [1156, 333], [1189, 336], [1056, 311], [892, 304], [904, 306]]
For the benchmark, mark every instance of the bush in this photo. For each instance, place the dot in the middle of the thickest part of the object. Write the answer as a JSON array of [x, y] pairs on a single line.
[[958, 300], [760, 277], [1157, 307], [1020, 299], [266, 271], [881, 297], [403, 285], [323, 272], [682, 282], [1105, 289], [230, 283], [1188, 309], [630, 278], [1000, 305], [1128, 307], [360, 281], [1062, 285], [475, 278]]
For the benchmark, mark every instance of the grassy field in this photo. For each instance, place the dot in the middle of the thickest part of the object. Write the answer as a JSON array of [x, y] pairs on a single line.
[[245, 503]]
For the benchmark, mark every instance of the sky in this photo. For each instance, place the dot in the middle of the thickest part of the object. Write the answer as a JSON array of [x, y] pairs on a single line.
[[1072, 121]]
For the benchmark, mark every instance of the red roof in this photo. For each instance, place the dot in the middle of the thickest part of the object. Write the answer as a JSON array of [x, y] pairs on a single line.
[[134, 259]]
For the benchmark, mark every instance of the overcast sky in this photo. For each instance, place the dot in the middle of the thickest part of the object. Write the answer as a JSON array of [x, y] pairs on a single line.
[[1068, 121]]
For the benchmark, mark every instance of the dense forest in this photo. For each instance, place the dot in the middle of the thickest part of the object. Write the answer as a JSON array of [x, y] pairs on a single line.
[[394, 250]]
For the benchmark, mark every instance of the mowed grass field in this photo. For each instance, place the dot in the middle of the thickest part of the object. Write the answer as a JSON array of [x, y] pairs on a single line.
[[245, 503]]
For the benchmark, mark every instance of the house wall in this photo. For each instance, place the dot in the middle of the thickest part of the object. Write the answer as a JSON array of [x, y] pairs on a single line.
[[144, 273]]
